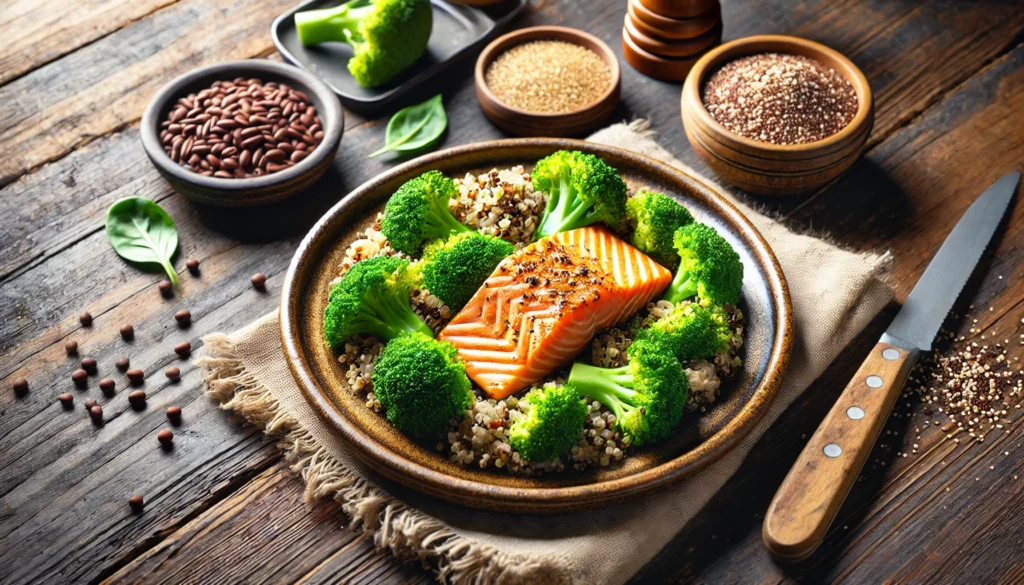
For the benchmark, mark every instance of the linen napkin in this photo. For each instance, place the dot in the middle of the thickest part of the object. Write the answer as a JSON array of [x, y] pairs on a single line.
[[835, 293]]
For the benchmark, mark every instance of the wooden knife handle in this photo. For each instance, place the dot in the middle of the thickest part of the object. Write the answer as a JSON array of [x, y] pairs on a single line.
[[819, 481]]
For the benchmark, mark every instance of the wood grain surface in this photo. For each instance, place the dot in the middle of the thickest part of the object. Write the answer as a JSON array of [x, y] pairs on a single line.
[[948, 81]]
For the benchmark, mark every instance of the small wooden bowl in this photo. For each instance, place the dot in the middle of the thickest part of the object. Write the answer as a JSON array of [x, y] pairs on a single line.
[[673, 48], [257, 190], [772, 169], [681, 8], [666, 27], [663, 68], [562, 124]]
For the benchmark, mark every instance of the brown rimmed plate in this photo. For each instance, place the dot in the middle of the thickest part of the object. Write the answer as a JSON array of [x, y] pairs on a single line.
[[701, 440]]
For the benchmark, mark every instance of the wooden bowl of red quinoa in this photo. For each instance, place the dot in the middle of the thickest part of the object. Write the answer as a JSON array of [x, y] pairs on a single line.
[[777, 164]]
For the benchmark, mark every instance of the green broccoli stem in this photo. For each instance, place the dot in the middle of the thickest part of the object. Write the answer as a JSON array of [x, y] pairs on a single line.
[[395, 317], [681, 287], [560, 206], [609, 386], [440, 221], [340, 23]]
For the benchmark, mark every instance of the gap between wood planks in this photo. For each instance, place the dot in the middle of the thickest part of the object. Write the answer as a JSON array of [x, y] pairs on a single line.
[[912, 118]]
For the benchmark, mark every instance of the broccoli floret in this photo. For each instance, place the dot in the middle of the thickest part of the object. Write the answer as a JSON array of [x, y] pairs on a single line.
[[691, 331], [582, 190], [647, 395], [551, 426], [421, 384], [655, 218], [387, 36], [372, 298], [454, 269], [418, 211], [709, 268]]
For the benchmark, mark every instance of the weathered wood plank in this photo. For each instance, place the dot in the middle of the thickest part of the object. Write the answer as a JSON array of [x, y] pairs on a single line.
[[37, 32], [282, 542]]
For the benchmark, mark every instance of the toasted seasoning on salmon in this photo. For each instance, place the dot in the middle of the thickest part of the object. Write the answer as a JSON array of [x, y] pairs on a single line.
[[544, 303]]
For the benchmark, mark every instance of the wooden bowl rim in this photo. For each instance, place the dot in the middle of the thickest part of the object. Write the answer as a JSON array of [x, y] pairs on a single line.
[[796, 166], [549, 500], [692, 102], [333, 120], [538, 33]]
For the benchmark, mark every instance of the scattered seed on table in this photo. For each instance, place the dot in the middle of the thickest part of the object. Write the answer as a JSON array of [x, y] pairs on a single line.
[[193, 265], [107, 385], [85, 319], [136, 503], [259, 281], [172, 373], [137, 398], [183, 317], [183, 349], [127, 332], [67, 400], [96, 414], [122, 364], [166, 438], [136, 376], [174, 415], [20, 386], [89, 403], [166, 288], [71, 347], [230, 129], [80, 378], [89, 365]]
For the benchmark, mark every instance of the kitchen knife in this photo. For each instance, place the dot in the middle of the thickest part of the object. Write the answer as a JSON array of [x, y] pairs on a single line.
[[810, 496]]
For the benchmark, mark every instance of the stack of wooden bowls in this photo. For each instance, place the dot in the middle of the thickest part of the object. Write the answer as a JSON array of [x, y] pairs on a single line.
[[663, 39]]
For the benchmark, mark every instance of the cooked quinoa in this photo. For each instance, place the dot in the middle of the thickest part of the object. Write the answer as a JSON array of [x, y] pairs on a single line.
[[502, 203]]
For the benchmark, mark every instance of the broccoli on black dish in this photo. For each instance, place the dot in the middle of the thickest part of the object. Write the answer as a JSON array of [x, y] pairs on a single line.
[[387, 35], [454, 269], [582, 190], [372, 298], [421, 384], [551, 426], [418, 211], [691, 331], [647, 395], [655, 218], [709, 268]]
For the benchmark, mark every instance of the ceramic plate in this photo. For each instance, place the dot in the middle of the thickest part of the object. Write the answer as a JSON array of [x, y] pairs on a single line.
[[701, 439]]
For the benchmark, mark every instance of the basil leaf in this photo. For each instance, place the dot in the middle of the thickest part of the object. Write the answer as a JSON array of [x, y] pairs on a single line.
[[141, 231], [415, 128]]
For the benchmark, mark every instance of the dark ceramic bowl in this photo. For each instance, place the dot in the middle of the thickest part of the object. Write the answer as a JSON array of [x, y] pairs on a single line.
[[257, 190], [701, 440]]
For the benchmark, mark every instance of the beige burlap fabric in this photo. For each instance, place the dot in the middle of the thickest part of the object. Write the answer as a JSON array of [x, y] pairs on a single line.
[[835, 294]]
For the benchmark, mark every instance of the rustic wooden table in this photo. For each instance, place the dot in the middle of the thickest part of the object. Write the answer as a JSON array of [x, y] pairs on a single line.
[[948, 78]]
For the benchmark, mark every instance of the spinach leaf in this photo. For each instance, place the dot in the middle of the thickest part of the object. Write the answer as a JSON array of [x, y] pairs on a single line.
[[415, 128], [141, 231]]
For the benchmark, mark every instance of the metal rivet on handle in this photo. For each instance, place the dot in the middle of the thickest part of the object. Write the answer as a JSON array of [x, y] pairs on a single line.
[[891, 354], [874, 381], [855, 412], [832, 450]]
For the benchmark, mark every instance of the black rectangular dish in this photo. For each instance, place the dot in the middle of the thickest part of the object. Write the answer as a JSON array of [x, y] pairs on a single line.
[[457, 31]]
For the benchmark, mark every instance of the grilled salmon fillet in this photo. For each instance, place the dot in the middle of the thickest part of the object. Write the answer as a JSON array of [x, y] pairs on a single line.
[[543, 304]]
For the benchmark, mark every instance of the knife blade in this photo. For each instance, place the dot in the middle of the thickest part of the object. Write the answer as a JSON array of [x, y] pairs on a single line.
[[810, 496], [936, 291]]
